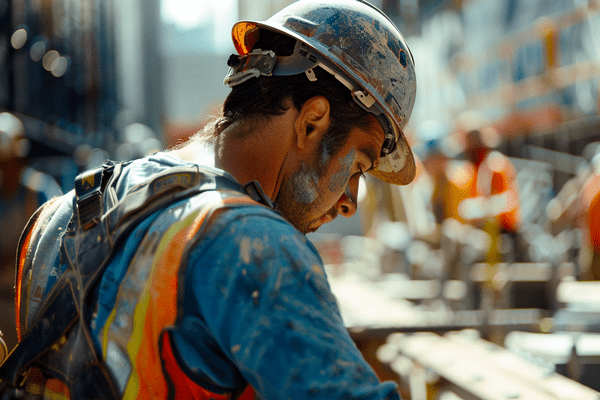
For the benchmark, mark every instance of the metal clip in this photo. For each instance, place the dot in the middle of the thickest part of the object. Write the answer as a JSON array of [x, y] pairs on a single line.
[[251, 65]]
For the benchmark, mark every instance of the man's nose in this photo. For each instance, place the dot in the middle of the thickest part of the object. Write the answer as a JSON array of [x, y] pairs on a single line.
[[346, 204]]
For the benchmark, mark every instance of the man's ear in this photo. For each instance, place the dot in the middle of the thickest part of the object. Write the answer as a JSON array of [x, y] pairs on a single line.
[[312, 120]]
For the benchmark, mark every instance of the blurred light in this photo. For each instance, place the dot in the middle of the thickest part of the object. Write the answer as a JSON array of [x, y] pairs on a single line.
[[59, 66], [96, 158], [12, 143], [37, 50], [21, 148], [417, 253], [137, 132], [150, 146], [554, 210], [394, 235], [11, 125], [362, 190], [187, 13], [18, 38], [455, 290], [126, 151], [496, 162], [35, 181], [82, 154], [459, 172], [49, 59]]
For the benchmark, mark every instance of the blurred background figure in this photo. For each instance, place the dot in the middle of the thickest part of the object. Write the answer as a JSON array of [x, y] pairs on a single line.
[[492, 203], [436, 152], [588, 215]]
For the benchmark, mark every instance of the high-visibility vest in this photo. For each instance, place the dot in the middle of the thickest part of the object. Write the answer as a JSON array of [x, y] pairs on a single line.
[[494, 176], [56, 356], [590, 196]]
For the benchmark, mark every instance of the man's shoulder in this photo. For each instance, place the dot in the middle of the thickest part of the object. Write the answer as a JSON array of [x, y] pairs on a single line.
[[251, 219], [258, 224], [255, 220]]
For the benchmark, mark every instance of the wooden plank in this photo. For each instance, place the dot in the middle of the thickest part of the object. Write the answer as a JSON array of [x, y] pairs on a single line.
[[482, 370]]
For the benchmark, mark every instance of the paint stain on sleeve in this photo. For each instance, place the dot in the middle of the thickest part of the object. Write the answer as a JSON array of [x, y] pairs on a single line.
[[245, 249]]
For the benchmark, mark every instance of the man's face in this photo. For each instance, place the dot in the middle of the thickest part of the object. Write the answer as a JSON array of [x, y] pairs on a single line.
[[324, 186]]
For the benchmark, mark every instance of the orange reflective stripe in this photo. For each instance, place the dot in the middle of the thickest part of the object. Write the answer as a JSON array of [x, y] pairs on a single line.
[[53, 389], [22, 257], [157, 307], [182, 386]]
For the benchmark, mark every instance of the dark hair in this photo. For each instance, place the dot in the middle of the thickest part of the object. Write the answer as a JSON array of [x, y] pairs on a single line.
[[266, 96]]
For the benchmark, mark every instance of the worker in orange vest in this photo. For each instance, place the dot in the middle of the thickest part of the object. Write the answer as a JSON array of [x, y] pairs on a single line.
[[589, 215], [493, 197]]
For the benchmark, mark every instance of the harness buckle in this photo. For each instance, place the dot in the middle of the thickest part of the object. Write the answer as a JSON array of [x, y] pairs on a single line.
[[89, 186]]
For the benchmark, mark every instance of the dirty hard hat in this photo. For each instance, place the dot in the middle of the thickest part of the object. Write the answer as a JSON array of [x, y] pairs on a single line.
[[360, 46]]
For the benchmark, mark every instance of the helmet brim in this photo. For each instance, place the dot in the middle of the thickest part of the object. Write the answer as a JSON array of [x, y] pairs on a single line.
[[398, 167]]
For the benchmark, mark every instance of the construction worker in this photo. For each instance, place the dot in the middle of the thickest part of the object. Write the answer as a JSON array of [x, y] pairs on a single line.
[[163, 278], [588, 216], [493, 199], [489, 200]]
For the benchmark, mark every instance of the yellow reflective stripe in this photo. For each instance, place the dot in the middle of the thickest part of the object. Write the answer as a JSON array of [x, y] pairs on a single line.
[[133, 346], [42, 390], [133, 384]]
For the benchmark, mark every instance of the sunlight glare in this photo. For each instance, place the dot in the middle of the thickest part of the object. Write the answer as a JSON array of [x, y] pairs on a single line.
[[187, 13]]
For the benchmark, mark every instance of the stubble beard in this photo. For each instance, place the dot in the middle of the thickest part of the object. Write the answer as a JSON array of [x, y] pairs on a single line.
[[292, 200], [294, 211]]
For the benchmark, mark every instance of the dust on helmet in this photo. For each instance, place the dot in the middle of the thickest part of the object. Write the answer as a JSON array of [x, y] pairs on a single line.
[[360, 46]]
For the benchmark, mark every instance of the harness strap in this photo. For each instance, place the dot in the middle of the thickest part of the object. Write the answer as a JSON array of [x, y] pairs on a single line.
[[87, 248]]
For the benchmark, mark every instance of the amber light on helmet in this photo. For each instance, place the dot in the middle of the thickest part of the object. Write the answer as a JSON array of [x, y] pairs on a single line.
[[245, 36]]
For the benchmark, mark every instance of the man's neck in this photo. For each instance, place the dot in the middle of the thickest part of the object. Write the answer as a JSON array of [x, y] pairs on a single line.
[[254, 156]]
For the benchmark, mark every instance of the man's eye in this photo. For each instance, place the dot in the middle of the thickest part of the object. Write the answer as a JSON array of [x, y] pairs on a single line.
[[361, 172]]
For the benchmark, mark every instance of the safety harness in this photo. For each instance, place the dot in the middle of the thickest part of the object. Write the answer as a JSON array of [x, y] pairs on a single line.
[[60, 343]]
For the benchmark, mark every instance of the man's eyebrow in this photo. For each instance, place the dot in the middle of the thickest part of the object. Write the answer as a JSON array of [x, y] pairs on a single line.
[[371, 154]]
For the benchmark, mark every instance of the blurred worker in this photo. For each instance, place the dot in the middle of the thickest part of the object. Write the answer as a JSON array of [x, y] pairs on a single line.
[[492, 202], [436, 153], [163, 278], [589, 215], [446, 180]]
